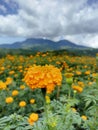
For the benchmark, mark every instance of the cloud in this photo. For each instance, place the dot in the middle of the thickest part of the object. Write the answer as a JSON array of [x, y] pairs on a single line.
[[53, 19]]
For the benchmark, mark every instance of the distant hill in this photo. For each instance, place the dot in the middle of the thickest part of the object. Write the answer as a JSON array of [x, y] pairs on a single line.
[[39, 44]]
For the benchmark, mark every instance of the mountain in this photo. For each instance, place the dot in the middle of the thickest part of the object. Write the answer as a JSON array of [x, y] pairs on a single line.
[[39, 44]]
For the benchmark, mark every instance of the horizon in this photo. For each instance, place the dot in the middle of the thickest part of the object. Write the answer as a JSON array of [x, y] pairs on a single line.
[[55, 41], [75, 21]]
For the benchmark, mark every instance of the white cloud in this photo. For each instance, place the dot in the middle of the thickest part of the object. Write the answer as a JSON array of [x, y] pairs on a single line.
[[53, 19]]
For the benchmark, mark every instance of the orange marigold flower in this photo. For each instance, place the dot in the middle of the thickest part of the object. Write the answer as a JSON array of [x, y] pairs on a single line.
[[9, 100], [33, 118], [31, 122], [87, 72], [77, 88], [81, 84], [47, 76], [22, 104], [15, 92]]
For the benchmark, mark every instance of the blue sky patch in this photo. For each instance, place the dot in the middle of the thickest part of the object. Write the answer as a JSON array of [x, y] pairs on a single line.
[[8, 7]]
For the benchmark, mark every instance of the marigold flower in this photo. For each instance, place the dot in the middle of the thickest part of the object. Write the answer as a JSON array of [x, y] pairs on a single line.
[[11, 72], [22, 86], [22, 104], [15, 92], [2, 85], [47, 76], [32, 101], [84, 117], [8, 80], [31, 122], [87, 72], [77, 88], [2, 68], [9, 100], [81, 84], [33, 118], [78, 72]]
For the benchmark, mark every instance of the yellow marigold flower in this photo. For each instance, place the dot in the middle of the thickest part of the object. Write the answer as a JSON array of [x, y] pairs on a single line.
[[22, 87], [94, 74], [84, 117], [22, 104], [90, 83], [2, 68], [15, 92], [32, 101], [2, 85], [9, 100], [87, 72], [81, 84], [34, 116], [77, 88], [15, 75], [8, 80], [11, 72], [78, 72]]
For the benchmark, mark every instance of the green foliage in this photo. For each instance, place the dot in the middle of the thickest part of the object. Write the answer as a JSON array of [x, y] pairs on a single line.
[[14, 122]]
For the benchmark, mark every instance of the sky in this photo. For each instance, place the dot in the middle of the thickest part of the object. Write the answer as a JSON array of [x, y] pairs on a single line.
[[74, 20]]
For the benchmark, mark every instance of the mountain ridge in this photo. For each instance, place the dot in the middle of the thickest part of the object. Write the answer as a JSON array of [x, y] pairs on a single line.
[[41, 44]]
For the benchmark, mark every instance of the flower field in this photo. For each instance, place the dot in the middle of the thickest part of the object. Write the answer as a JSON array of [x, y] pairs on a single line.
[[48, 92]]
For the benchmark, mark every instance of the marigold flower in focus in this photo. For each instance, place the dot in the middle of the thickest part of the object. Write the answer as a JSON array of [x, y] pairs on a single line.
[[47, 76], [9, 100], [22, 104]]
